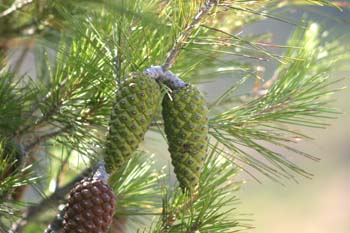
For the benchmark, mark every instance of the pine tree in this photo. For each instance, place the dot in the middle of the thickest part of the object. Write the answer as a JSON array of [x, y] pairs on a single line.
[[57, 126]]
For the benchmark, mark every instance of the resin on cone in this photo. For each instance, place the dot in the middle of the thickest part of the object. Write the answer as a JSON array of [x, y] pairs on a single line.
[[185, 115], [90, 207], [137, 99]]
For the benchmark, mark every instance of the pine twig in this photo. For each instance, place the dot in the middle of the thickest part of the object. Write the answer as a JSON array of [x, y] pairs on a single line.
[[56, 226], [162, 73], [44, 138], [186, 33], [33, 211], [172, 215], [36, 108], [15, 7]]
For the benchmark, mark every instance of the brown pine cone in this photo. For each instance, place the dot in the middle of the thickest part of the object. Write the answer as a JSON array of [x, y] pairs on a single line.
[[90, 207]]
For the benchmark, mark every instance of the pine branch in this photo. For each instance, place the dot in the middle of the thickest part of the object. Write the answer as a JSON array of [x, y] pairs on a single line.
[[298, 97], [16, 6], [135, 186], [43, 138], [56, 225], [70, 99], [45, 119], [52, 201], [171, 217], [186, 33], [12, 99], [183, 212], [35, 110], [12, 178]]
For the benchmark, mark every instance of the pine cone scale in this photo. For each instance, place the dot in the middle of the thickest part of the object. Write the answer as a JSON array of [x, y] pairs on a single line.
[[186, 127], [90, 207], [136, 101]]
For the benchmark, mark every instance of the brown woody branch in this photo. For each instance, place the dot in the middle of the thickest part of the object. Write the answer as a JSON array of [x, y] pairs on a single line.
[[186, 33], [51, 202], [173, 215], [15, 7]]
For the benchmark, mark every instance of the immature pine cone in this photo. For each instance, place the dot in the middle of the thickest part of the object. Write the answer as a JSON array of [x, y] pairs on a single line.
[[185, 117], [136, 101], [90, 207]]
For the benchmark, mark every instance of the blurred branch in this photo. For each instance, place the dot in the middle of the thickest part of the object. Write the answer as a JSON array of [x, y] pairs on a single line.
[[15, 7], [57, 224], [258, 12], [33, 211], [36, 108], [43, 138], [173, 214]]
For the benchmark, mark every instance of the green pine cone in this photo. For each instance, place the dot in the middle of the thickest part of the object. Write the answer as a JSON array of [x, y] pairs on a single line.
[[136, 101], [185, 117]]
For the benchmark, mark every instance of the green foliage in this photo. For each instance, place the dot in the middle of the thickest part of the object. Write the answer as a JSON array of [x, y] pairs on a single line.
[[83, 49], [137, 190], [298, 96], [212, 209], [12, 177], [11, 103]]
